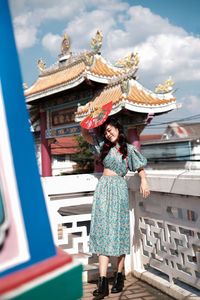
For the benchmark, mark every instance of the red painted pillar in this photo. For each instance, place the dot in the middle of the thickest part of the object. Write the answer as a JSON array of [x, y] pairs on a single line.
[[134, 138], [45, 149]]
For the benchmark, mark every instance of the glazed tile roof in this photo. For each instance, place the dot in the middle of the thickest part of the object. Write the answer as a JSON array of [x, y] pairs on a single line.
[[64, 145], [55, 79], [101, 68], [150, 137], [72, 74], [136, 98]]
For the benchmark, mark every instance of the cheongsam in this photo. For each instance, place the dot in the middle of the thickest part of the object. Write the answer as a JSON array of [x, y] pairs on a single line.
[[110, 226]]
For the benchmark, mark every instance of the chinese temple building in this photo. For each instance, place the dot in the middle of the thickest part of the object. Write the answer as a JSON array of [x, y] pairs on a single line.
[[78, 84]]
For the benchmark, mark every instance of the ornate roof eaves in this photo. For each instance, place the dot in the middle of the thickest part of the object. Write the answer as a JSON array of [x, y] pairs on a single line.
[[98, 78], [109, 65], [160, 96], [143, 108], [135, 107], [66, 86], [54, 90]]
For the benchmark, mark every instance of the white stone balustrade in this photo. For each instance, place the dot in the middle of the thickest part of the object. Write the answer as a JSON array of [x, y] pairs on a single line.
[[165, 228]]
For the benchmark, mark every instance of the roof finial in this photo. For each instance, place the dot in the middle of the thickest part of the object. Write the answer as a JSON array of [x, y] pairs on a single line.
[[65, 45], [41, 65], [96, 41]]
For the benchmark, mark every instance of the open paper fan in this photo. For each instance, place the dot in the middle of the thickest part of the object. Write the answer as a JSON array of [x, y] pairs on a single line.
[[97, 117]]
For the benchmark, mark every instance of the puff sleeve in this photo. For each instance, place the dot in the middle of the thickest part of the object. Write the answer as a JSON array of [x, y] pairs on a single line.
[[135, 159]]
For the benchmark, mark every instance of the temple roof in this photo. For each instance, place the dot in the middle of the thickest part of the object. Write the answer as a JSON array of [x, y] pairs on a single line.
[[73, 72], [72, 69], [129, 94], [120, 84], [52, 81], [64, 145]]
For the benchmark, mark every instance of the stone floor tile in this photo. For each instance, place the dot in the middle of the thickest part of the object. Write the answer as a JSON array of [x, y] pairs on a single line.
[[138, 295], [127, 292], [134, 298], [134, 289], [87, 295]]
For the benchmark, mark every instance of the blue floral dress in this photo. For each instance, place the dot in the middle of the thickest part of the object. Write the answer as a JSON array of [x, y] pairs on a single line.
[[110, 227]]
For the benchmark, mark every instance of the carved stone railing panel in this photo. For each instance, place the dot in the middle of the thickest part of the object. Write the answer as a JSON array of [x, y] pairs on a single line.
[[169, 235], [71, 231], [69, 202], [75, 235]]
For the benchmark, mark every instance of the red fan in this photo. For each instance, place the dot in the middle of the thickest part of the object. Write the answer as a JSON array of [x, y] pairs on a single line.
[[97, 117]]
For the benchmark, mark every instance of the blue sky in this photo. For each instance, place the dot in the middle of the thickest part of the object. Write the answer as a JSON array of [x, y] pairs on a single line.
[[182, 13], [166, 35]]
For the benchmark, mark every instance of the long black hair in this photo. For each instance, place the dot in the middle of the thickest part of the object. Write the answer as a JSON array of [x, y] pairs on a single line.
[[122, 140]]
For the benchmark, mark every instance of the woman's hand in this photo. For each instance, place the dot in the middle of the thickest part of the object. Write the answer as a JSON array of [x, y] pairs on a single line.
[[144, 188]]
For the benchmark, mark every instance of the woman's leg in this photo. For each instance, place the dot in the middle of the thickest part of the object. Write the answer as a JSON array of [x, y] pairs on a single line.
[[102, 290], [103, 265], [118, 283], [120, 263]]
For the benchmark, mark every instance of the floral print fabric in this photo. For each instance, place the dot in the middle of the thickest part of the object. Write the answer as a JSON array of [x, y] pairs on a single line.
[[109, 233], [110, 229]]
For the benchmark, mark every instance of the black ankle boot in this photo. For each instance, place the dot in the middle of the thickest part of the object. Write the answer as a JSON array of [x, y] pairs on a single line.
[[118, 283], [102, 290]]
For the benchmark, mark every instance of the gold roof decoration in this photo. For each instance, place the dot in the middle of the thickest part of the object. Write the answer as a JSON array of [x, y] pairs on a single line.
[[128, 62], [41, 65], [166, 87], [65, 45], [96, 41], [124, 86], [89, 58]]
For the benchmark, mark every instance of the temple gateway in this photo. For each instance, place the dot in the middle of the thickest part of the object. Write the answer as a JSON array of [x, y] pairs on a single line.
[[78, 83]]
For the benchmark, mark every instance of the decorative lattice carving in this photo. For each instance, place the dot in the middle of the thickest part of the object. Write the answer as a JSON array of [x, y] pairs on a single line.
[[170, 237]]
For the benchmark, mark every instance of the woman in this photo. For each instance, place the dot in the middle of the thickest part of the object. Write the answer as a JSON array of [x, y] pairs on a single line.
[[110, 234]]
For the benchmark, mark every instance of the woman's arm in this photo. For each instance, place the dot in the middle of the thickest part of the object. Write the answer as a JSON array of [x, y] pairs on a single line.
[[87, 136], [144, 187]]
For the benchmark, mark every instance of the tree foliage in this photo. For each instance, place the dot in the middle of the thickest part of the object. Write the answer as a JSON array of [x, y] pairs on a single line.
[[84, 157]]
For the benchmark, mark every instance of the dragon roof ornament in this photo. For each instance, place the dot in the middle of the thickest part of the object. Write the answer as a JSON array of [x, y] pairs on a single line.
[[128, 62], [96, 41], [65, 45], [166, 87]]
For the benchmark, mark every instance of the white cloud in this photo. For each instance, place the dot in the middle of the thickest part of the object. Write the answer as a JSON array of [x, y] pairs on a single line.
[[171, 54], [89, 14], [81, 31], [143, 23], [51, 42], [26, 38], [191, 103], [21, 6], [32, 18]]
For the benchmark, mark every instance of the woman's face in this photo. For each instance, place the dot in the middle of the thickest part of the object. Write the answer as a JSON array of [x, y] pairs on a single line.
[[111, 133]]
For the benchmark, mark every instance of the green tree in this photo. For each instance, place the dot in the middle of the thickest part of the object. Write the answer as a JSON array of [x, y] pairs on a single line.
[[84, 157]]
